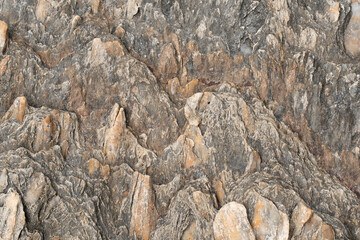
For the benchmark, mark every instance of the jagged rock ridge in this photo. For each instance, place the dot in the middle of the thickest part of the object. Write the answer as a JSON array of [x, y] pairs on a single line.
[[142, 119]]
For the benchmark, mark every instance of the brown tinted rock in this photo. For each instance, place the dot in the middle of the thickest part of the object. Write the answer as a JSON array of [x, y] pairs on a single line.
[[17, 110], [3, 180], [43, 9], [352, 33], [143, 213], [95, 5], [46, 134], [268, 222], [3, 36], [120, 32], [299, 217], [96, 169], [100, 51], [231, 222], [167, 64], [334, 10], [220, 192], [12, 216], [256, 93], [308, 225], [113, 134]]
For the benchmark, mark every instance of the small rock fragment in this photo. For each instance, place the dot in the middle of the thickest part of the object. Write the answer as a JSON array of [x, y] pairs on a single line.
[[17, 110], [75, 21], [254, 162], [3, 36], [167, 64], [190, 109], [120, 32], [220, 192], [45, 135], [113, 134], [231, 222]]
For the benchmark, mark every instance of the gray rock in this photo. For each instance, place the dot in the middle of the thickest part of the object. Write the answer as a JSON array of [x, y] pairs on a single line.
[[143, 119]]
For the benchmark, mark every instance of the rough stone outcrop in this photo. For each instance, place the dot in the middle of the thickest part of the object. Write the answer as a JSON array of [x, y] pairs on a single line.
[[179, 119]]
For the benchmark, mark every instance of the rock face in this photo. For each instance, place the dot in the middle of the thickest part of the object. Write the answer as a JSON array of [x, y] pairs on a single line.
[[352, 33], [231, 223], [179, 119]]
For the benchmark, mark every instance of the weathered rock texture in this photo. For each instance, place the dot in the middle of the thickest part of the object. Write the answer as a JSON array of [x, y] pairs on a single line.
[[179, 119]]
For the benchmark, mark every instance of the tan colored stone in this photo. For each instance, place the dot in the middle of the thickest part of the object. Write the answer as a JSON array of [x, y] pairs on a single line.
[[100, 51], [35, 189], [45, 135], [190, 88], [120, 32], [190, 232], [95, 168], [17, 109], [189, 156], [333, 11], [254, 162], [43, 9], [247, 118], [300, 216], [231, 222], [307, 225], [167, 64], [3, 65], [105, 171], [220, 192], [133, 8], [352, 32], [190, 109], [75, 21], [114, 49], [199, 148], [203, 203], [3, 180], [268, 222], [113, 134], [143, 213], [219, 61], [52, 57], [308, 38], [12, 216], [95, 5], [3, 36]]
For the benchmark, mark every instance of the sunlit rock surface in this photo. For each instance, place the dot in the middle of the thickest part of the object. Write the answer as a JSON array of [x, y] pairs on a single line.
[[180, 119]]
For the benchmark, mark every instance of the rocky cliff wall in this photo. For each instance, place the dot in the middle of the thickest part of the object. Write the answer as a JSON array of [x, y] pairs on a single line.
[[178, 119]]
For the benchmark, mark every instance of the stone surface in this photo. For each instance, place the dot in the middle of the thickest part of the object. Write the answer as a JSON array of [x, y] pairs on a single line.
[[12, 215], [231, 222], [3, 36], [143, 214], [352, 32], [161, 119], [268, 222]]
